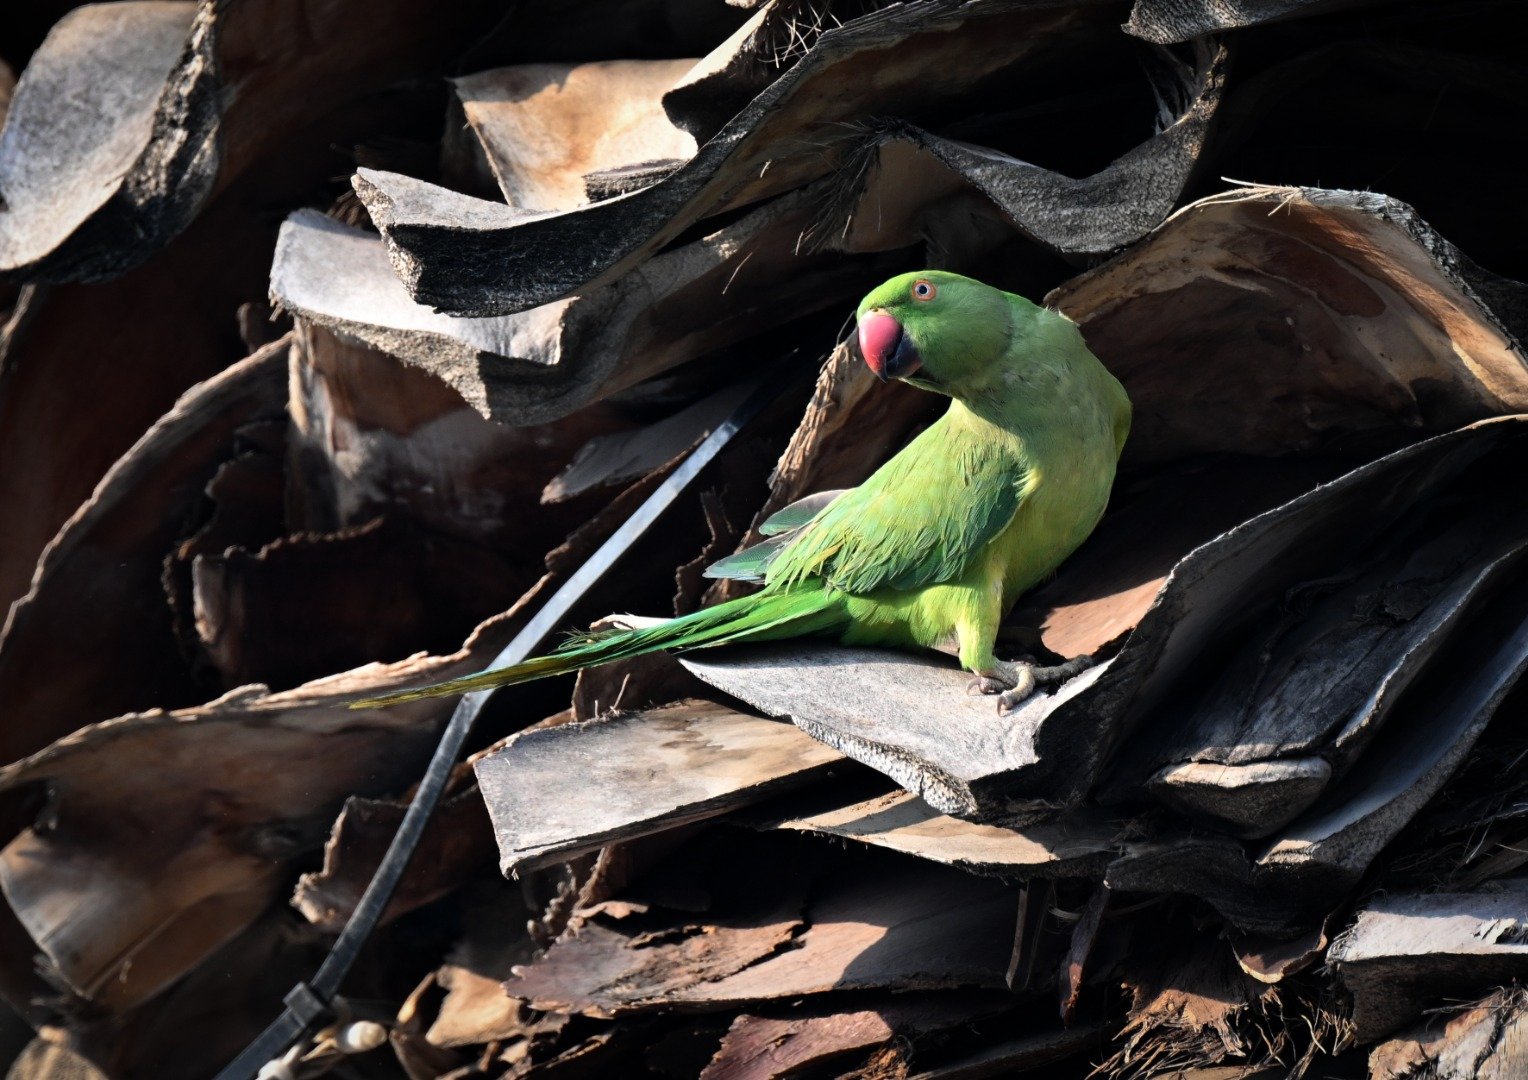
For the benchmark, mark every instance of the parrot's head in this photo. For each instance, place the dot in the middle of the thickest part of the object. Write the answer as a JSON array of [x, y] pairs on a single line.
[[936, 330]]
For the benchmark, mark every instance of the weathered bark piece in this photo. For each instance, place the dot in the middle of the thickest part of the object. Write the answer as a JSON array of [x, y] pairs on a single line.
[[1075, 967], [493, 938], [108, 557], [562, 791], [1225, 585], [455, 844], [624, 456], [1167, 22], [543, 128], [169, 832], [720, 84], [476, 1010], [871, 928], [372, 435], [1271, 960], [109, 147], [1405, 953], [762, 1047], [544, 363], [1253, 567], [1074, 846], [1296, 317], [472, 257], [906, 171], [1303, 697], [1484, 1041], [1423, 745], [617, 962], [901, 714], [309, 604], [133, 115], [1306, 867], [1250, 800]]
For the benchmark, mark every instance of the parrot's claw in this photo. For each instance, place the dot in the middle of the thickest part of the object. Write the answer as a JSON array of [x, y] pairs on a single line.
[[1011, 682], [1030, 678], [1009, 700], [1021, 689]]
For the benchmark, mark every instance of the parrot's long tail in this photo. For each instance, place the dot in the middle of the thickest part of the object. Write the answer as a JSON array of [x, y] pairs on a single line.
[[759, 617]]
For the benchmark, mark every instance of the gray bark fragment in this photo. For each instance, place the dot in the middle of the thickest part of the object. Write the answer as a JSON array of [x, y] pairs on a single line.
[[1406, 952], [558, 792], [111, 142]]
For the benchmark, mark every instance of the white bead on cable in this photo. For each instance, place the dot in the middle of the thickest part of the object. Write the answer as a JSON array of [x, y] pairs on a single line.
[[359, 1037]]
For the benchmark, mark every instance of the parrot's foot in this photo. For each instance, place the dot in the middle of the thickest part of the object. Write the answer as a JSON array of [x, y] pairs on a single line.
[[1014, 683]]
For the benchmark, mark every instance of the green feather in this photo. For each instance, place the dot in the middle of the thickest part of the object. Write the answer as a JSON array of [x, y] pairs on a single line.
[[756, 617]]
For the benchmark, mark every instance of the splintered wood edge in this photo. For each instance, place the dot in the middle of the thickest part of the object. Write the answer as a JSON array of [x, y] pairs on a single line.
[[170, 130], [1396, 926], [534, 858], [646, 742]]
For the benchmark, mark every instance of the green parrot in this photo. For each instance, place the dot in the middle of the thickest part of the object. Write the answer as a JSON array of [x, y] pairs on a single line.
[[936, 546]]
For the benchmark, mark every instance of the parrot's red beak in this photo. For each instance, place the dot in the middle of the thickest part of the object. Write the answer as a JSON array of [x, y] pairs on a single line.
[[886, 349]]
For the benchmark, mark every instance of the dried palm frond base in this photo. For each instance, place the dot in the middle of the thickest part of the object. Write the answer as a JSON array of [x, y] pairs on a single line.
[[1203, 1011]]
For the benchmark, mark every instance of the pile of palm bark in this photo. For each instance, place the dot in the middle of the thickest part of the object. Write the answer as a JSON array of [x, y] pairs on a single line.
[[336, 336]]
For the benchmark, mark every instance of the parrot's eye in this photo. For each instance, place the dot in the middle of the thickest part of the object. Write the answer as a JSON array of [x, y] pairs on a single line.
[[924, 290]]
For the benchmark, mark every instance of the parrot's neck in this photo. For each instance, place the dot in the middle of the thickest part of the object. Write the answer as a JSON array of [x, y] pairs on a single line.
[[1029, 401], [1037, 402], [1052, 417], [1027, 433]]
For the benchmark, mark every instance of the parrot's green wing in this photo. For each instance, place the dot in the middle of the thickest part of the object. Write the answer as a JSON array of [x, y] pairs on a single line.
[[918, 521], [752, 564]]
